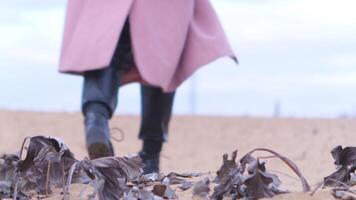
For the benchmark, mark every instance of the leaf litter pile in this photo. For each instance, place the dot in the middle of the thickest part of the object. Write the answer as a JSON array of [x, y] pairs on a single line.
[[50, 169]]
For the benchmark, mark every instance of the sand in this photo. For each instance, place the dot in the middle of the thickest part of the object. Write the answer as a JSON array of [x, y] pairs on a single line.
[[196, 143]]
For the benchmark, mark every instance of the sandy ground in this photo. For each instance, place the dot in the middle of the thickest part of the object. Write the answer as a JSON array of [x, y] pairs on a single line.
[[196, 143]]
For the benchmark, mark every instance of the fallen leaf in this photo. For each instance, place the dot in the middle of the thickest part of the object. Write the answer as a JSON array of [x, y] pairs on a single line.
[[345, 160], [45, 165], [109, 175], [344, 156], [250, 179], [226, 168]]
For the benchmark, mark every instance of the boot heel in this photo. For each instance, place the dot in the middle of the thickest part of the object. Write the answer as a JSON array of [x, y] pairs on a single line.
[[98, 150]]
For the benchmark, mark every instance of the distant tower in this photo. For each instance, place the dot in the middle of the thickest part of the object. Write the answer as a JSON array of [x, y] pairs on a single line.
[[276, 109]]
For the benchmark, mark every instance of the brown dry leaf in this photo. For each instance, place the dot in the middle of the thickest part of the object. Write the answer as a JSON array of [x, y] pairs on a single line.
[[108, 175], [344, 177], [128, 167], [164, 190], [45, 165], [345, 160], [250, 179], [259, 183], [231, 186], [344, 156], [289, 163], [340, 176], [226, 168]]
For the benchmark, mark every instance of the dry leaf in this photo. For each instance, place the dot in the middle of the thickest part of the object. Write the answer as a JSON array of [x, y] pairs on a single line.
[[45, 165], [344, 177], [345, 160], [344, 157], [250, 179], [108, 175], [226, 168]]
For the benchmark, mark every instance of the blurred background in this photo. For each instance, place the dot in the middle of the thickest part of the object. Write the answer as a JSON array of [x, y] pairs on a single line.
[[297, 58]]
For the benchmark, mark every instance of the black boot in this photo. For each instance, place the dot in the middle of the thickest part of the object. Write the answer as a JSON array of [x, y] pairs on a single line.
[[150, 155], [150, 161], [98, 103], [97, 135], [156, 110]]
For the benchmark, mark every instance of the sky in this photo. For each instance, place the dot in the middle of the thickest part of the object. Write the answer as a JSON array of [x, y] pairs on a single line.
[[297, 54]]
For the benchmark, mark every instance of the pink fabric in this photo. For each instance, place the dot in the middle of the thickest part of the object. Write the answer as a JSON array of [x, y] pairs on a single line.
[[170, 39]]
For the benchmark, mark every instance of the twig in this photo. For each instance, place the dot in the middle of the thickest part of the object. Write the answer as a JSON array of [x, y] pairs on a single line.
[[69, 180], [23, 145], [63, 175], [48, 177], [266, 157]]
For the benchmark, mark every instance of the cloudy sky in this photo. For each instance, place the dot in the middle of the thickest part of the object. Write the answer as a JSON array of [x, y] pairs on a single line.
[[300, 54]]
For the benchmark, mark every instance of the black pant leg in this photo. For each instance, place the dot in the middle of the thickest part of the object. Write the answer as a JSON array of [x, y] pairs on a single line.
[[156, 110], [100, 87]]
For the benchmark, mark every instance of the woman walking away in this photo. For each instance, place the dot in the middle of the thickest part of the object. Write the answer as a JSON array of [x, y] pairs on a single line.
[[158, 43]]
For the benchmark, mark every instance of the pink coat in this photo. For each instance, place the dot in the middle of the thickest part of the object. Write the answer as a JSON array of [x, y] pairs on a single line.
[[170, 38]]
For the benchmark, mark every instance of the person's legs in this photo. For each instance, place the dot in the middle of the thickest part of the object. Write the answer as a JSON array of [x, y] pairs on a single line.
[[99, 98], [156, 110]]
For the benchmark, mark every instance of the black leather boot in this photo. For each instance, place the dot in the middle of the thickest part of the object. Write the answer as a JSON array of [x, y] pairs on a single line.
[[99, 100], [150, 161], [150, 155], [156, 110], [97, 135]]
